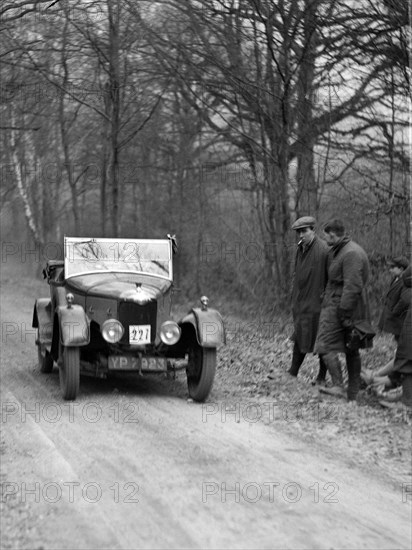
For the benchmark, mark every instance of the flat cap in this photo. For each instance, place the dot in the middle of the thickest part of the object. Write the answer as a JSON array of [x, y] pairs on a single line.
[[399, 261], [305, 221]]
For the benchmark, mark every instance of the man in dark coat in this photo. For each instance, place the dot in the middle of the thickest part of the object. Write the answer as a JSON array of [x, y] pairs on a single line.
[[308, 286], [393, 313], [345, 305], [396, 305], [403, 358]]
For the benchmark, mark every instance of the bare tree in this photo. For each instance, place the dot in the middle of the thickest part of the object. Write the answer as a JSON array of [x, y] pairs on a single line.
[[264, 67]]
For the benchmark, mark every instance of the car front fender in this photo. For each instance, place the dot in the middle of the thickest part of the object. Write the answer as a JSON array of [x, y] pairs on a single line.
[[74, 326], [208, 325], [42, 320]]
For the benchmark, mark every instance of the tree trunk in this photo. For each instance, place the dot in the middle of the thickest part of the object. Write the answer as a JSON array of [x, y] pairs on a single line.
[[306, 198], [23, 188], [114, 90], [64, 133]]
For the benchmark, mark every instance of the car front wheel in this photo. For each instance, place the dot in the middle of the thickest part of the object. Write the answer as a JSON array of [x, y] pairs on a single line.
[[70, 372], [201, 370], [45, 360]]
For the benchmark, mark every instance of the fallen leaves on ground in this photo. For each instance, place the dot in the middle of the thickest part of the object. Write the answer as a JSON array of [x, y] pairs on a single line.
[[252, 372]]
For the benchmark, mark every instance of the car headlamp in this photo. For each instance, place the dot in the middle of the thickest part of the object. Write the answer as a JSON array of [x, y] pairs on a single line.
[[112, 330], [170, 333]]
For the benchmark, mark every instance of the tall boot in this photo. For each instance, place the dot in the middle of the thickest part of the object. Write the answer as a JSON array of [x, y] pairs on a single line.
[[333, 365], [407, 389], [297, 360], [353, 364], [322, 370]]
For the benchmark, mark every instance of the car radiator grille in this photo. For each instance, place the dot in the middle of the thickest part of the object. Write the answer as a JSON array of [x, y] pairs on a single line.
[[135, 314]]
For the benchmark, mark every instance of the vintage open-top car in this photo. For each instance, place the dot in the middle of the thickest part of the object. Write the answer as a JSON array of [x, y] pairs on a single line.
[[110, 311]]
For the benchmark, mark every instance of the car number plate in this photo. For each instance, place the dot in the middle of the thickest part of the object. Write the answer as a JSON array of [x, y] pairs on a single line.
[[124, 362], [139, 334], [154, 363], [129, 362]]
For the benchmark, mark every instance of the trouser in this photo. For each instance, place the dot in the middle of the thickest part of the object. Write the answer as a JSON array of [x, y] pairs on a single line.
[[297, 360], [353, 365], [407, 389]]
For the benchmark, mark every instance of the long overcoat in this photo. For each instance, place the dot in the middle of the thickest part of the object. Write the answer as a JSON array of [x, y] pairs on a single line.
[[309, 283], [403, 359], [348, 274], [392, 316]]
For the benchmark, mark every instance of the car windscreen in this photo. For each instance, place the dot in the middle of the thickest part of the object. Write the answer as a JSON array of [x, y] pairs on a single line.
[[121, 255]]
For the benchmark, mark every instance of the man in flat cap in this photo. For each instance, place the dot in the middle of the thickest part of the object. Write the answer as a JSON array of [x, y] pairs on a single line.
[[309, 283]]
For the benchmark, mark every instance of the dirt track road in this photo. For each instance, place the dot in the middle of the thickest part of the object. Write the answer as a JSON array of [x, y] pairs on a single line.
[[132, 464]]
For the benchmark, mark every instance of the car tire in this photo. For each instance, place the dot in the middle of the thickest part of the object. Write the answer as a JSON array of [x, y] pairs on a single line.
[[200, 371], [45, 360], [70, 372]]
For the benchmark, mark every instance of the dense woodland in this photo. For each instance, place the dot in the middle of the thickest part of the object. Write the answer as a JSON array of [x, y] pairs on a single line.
[[220, 121]]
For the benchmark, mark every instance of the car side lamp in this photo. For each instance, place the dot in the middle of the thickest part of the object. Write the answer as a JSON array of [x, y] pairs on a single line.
[[170, 333]]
